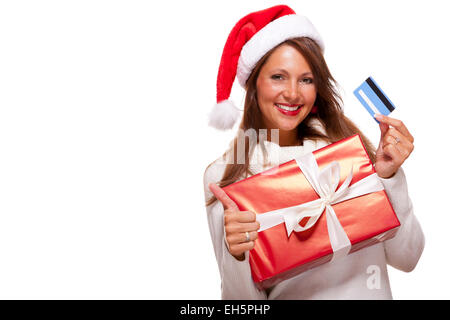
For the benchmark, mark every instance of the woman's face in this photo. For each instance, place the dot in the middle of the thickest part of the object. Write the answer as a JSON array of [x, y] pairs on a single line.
[[285, 89]]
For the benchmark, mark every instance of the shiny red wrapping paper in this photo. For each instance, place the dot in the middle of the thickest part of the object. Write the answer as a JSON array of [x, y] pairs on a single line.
[[367, 219]]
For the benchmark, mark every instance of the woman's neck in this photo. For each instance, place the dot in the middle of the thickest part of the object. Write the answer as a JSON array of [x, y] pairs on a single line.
[[285, 138]]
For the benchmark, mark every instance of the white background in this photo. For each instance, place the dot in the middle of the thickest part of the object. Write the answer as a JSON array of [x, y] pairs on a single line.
[[103, 137]]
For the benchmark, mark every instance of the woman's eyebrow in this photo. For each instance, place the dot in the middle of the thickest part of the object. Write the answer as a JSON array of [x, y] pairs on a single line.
[[308, 73]]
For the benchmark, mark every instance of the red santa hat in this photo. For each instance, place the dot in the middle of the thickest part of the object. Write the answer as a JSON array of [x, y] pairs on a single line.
[[250, 39]]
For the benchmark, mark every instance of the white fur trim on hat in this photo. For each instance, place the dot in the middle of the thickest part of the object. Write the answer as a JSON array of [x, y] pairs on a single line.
[[224, 115], [274, 33]]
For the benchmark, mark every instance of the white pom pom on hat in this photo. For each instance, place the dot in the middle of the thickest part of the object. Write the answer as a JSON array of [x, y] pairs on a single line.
[[224, 115], [250, 39]]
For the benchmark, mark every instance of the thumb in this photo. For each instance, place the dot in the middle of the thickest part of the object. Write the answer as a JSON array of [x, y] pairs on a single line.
[[383, 128], [222, 197]]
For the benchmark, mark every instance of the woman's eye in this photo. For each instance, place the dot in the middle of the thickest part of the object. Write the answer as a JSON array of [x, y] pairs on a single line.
[[277, 77], [308, 80]]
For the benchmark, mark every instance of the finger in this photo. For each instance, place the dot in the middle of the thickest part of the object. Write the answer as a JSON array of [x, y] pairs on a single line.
[[394, 153], [393, 134], [222, 197], [397, 124], [404, 152], [238, 249], [237, 238], [383, 128], [233, 228], [404, 147], [246, 216], [390, 140]]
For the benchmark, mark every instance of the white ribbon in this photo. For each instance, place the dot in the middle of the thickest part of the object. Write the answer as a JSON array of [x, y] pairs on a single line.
[[325, 183]]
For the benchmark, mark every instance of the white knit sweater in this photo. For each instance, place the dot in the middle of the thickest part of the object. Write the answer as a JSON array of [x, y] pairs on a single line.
[[360, 275]]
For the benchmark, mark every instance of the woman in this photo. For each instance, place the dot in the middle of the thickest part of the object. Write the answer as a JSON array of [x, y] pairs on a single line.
[[290, 89]]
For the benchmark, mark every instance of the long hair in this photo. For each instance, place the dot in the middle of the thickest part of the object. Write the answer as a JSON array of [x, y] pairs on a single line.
[[329, 113]]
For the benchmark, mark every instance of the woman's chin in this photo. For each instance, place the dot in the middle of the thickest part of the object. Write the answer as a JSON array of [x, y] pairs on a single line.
[[284, 123], [288, 125]]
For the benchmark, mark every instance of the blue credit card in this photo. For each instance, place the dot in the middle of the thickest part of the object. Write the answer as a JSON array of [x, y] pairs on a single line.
[[373, 98]]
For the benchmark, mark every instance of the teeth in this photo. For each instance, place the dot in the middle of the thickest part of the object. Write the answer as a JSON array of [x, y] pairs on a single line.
[[287, 108]]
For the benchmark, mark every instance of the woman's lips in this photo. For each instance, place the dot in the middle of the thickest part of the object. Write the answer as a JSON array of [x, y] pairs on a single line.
[[290, 106]]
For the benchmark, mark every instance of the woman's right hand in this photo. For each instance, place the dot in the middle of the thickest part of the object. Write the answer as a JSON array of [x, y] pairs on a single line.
[[236, 224]]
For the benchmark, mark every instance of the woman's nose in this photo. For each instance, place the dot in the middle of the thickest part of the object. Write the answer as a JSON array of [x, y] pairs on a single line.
[[292, 92]]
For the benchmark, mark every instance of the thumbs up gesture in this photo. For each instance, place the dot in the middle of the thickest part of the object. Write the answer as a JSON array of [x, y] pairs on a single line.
[[241, 227]]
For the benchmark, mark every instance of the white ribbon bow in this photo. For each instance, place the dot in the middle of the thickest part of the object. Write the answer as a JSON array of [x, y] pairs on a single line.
[[325, 183]]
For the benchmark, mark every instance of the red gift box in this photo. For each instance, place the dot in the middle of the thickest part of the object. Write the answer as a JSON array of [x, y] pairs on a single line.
[[365, 220]]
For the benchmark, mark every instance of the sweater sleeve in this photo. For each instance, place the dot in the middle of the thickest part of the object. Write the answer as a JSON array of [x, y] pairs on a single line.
[[235, 275], [404, 250]]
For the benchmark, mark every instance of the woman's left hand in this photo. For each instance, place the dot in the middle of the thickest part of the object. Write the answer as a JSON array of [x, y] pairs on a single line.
[[396, 144]]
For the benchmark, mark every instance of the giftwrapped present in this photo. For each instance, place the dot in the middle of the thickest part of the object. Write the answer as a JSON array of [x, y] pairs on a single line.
[[316, 208]]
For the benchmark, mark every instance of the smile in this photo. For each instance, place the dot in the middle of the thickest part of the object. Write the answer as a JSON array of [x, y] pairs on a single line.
[[288, 109]]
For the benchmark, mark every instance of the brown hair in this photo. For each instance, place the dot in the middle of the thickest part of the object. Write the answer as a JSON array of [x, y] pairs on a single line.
[[328, 101]]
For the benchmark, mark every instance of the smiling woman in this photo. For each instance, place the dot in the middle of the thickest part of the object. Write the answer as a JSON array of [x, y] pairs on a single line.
[[290, 89]]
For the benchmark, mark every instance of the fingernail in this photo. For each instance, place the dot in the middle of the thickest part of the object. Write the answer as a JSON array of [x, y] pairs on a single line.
[[378, 116]]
